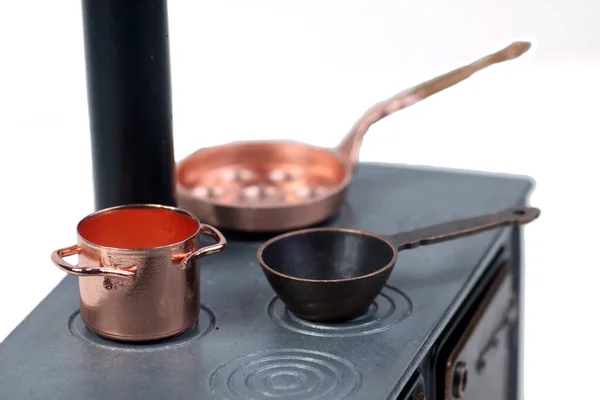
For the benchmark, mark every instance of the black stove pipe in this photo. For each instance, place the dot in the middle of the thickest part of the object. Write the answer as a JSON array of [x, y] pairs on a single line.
[[129, 100]]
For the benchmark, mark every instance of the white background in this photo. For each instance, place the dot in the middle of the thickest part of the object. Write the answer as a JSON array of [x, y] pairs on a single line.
[[306, 70]]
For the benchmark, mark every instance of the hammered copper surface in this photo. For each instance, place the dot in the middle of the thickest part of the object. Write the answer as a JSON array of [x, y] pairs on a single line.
[[334, 274], [138, 278], [273, 186]]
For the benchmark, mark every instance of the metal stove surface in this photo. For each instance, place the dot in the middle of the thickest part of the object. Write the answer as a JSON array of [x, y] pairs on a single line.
[[246, 345]]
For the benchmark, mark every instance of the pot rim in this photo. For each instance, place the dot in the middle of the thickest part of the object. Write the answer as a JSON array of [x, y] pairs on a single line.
[[103, 211], [266, 268]]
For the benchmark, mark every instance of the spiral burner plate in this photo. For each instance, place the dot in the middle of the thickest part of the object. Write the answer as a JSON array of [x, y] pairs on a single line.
[[389, 308], [290, 374], [205, 324]]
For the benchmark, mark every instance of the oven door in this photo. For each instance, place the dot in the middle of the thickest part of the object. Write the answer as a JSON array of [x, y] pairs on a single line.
[[475, 361]]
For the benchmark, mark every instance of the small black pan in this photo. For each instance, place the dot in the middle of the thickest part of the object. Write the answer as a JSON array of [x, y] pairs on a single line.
[[333, 274]]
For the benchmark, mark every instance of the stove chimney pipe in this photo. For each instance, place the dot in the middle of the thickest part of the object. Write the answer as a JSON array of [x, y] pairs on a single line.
[[129, 100]]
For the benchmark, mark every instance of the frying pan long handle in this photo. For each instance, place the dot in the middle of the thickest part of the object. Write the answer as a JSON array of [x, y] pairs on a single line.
[[464, 227], [350, 145]]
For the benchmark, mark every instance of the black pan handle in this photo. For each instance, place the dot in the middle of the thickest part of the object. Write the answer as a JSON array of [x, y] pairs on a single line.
[[464, 227]]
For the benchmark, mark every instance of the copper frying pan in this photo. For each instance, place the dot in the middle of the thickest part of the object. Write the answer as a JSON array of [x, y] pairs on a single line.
[[274, 186]]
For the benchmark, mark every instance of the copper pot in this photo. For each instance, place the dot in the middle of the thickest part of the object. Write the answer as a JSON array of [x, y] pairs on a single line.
[[137, 267]]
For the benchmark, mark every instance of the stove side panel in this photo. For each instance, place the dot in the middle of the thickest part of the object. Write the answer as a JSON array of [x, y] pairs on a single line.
[[475, 355]]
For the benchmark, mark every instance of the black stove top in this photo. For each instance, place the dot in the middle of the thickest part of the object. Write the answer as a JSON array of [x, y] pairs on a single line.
[[246, 345]]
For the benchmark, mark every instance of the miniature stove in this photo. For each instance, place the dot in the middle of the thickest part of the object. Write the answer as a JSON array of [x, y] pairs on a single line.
[[448, 310], [446, 325]]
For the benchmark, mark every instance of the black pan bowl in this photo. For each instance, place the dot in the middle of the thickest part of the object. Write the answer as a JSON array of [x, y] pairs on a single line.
[[327, 275]]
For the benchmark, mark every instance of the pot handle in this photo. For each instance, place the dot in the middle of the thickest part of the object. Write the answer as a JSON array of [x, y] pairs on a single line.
[[463, 227], [206, 250], [57, 259]]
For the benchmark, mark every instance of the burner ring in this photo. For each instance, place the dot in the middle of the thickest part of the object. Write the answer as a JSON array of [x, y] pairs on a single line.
[[205, 324], [389, 308], [286, 374]]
